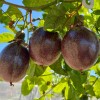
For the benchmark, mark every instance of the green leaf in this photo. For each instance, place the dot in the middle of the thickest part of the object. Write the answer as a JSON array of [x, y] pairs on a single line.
[[43, 87], [66, 91], [35, 70], [96, 68], [76, 79], [27, 85], [84, 76], [97, 4], [41, 98], [92, 79], [98, 23], [70, 93], [58, 88], [47, 75], [57, 67], [4, 18], [36, 3], [97, 88], [1, 4], [89, 89], [14, 12], [6, 37], [55, 18], [41, 23], [96, 12]]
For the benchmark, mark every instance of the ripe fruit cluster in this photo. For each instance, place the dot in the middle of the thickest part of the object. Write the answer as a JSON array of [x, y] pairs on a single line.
[[79, 48]]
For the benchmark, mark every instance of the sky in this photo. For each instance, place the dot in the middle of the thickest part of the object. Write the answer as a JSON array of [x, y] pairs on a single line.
[[2, 29]]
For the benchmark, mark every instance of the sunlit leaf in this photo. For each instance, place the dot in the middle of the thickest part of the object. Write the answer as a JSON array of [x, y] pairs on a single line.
[[35, 70], [60, 87], [6, 37], [41, 23], [89, 89], [47, 75], [96, 68], [27, 85], [97, 88], [36, 3]]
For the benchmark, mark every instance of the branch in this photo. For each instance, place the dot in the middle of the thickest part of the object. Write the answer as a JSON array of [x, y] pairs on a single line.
[[35, 8]]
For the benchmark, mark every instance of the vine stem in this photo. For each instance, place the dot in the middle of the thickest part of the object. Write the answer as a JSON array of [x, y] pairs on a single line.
[[35, 8]]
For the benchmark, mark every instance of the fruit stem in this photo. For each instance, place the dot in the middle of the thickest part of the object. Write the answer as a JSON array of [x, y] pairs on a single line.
[[30, 16], [11, 84]]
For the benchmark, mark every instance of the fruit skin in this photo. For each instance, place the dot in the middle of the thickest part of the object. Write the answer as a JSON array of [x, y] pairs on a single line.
[[14, 62], [44, 47], [80, 48]]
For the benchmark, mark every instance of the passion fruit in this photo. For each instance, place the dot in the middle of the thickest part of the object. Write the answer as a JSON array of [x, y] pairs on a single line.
[[80, 48], [14, 62], [44, 47]]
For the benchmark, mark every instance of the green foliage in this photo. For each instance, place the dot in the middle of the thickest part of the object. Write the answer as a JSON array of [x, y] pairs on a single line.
[[33, 3], [58, 65], [35, 70], [98, 23], [70, 93], [96, 12], [4, 18], [97, 88], [57, 17], [1, 4], [77, 81], [58, 78], [14, 12], [60, 86], [6, 37], [27, 85]]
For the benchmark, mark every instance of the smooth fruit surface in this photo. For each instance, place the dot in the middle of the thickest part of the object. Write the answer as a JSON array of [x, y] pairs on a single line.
[[14, 62], [80, 48], [44, 47]]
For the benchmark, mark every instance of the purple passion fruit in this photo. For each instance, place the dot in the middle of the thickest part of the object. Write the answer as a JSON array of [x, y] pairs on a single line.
[[14, 62], [44, 47], [80, 48]]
